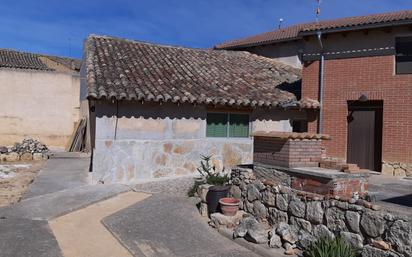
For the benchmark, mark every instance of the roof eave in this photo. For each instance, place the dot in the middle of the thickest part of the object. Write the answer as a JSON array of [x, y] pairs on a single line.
[[267, 42], [355, 27]]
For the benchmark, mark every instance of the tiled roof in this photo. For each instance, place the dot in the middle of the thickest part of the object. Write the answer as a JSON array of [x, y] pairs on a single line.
[[284, 34], [70, 63], [22, 60], [351, 22], [132, 70], [294, 32]]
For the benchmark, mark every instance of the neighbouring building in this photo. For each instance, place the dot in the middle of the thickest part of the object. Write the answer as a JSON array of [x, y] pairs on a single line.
[[360, 69], [39, 96], [155, 110]]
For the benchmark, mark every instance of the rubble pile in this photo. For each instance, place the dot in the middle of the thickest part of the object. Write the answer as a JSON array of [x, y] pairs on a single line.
[[29, 146], [27, 150]]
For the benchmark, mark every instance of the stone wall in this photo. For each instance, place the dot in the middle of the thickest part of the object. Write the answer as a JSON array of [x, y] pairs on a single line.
[[298, 218], [129, 160], [397, 169], [135, 140]]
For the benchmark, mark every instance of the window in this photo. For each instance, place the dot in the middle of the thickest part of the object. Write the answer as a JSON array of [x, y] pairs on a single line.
[[300, 126], [227, 125], [404, 55]]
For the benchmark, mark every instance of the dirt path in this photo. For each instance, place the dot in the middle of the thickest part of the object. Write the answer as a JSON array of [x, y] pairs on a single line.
[[81, 233], [15, 179]]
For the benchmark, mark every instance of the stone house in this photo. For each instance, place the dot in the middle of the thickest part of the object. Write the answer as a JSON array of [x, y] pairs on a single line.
[[359, 68], [39, 96], [154, 110]]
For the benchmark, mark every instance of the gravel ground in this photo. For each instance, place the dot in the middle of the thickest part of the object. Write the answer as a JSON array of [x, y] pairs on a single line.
[[172, 187], [15, 180]]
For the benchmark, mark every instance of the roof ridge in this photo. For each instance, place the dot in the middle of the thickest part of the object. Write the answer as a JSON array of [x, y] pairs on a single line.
[[233, 53], [146, 42], [259, 38]]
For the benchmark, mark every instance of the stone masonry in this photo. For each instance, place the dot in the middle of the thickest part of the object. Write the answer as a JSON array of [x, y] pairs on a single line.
[[298, 218], [128, 160]]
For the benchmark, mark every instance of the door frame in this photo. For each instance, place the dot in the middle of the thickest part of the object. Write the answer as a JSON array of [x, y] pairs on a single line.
[[373, 105]]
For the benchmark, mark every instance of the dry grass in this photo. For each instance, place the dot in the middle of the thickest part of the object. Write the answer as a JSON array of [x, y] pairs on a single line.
[[15, 180]]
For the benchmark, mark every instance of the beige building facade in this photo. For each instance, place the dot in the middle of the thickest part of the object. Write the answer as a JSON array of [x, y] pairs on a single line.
[[38, 101]]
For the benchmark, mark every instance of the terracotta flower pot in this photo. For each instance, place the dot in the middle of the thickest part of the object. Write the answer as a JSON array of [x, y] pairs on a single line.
[[229, 206]]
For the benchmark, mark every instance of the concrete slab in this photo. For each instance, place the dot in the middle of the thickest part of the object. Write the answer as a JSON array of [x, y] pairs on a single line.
[[81, 233], [52, 205], [164, 225], [29, 238], [392, 192], [59, 174]]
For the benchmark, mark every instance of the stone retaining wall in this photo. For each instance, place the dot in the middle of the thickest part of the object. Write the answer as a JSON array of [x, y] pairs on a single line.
[[15, 157], [298, 218], [397, 169]]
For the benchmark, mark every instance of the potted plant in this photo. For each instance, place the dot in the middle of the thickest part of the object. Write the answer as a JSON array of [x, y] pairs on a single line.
[[217, 180]]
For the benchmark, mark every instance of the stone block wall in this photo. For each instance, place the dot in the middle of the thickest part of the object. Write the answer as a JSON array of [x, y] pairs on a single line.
[[286, 152], [397, 169], [303, 217], [131, 160]]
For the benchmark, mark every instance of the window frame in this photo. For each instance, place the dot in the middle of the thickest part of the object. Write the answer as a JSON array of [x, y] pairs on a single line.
[[228, 124], [396, 54]]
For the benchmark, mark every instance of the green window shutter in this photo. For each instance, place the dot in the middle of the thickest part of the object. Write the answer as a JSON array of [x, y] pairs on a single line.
[[216, 125], [239, 125]]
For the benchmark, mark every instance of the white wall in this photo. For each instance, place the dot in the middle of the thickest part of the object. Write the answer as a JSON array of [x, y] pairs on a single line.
[[38, 104]]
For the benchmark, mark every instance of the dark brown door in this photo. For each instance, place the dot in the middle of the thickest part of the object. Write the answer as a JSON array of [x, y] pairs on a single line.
[[365, 134]]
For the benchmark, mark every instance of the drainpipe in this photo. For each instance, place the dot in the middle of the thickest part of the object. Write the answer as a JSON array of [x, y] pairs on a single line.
[[321, 76]]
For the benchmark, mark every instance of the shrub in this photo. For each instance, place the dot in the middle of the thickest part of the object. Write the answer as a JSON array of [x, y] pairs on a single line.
[[325, 247], [209, 175]]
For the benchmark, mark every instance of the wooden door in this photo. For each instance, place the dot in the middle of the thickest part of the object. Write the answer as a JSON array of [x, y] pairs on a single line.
[[365, 134]]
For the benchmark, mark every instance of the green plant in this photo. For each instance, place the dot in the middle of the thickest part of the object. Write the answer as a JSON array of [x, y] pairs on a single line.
[[206, 169], [209, 175], [325, 247]]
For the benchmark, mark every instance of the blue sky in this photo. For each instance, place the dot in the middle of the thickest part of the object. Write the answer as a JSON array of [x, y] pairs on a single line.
[[58, 27]]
